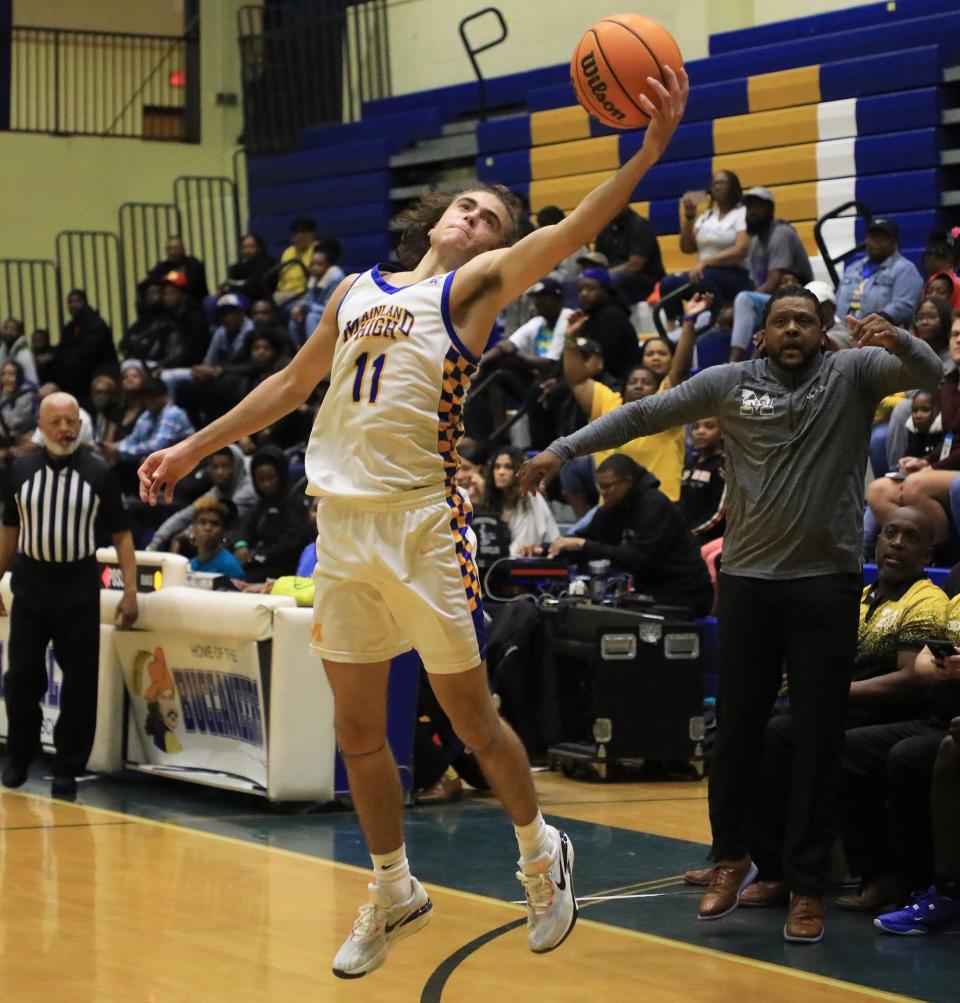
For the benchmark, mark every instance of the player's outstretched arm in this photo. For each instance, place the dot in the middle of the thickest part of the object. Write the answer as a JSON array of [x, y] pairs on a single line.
[[275, 397], [509, 272]]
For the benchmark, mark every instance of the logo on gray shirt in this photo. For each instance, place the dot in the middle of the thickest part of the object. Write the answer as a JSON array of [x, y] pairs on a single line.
[[751, 404]]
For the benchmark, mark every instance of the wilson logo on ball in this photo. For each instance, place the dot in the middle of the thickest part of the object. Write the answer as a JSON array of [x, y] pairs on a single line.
[[598, 86]]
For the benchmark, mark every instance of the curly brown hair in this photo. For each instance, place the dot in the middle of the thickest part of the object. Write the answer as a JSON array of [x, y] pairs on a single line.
[[421, 218]]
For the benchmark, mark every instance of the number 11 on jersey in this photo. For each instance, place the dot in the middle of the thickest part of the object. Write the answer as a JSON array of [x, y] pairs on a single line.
[[376, 368]]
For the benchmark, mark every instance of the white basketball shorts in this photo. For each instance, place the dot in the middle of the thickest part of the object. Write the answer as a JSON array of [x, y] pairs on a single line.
[[397, 574]]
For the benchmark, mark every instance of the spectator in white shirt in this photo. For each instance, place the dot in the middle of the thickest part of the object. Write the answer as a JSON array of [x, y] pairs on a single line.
[[719, 238]]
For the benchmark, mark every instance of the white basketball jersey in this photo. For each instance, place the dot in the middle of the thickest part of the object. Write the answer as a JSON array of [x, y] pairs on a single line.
[[392, 417]]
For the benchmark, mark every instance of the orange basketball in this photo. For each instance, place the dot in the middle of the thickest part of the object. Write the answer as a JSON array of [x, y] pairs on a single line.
[[611, 64]]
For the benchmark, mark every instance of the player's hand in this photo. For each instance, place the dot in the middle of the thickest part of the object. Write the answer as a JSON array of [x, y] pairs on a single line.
[[537, 473], [127, 612], [873, 331], [699, 303], [161, 470], [665, 116]]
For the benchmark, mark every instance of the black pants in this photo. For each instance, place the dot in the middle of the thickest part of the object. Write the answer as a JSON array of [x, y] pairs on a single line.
[[59, 603], [808, 625], [886, 774]]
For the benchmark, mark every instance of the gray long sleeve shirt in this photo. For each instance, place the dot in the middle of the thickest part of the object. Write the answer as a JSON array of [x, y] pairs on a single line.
[[796, 445]]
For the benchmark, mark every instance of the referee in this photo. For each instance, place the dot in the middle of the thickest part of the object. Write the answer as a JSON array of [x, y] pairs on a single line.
[[796, 427], [55, 501]]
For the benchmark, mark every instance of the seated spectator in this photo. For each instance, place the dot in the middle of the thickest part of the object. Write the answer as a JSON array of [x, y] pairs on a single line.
[[937, 908], [274, 533], [530, 519], [924, 428], [660, 454], [606, 323], [469, 477], [230, 344], [248, 276], [19, 405], [295, 261], [85, 348], [942, 253], [188, 345], [213, 387], [325, 276], [928, 481], [103, 407], [775, 252], [177, 260], [521, 360], [882, 282], [211, 520], [718, 236], [932, 323], [160, 425], [703, 487], [898, 613], [640, 531], [42, 355], [14, 345], [945, 285], [632, 248], [133, 375], [229, 481]]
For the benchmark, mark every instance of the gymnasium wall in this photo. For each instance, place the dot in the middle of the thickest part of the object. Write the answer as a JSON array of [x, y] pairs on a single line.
[[426, 52], [52, 183]]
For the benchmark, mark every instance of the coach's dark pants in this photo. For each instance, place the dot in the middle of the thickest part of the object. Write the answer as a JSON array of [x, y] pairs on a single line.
[[58, 603], [809, 627]]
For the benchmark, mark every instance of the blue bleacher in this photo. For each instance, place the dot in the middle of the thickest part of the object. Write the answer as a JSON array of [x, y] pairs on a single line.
[[814, 25]]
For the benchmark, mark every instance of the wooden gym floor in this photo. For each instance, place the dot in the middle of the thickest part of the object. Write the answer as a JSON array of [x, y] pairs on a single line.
[[154, 891]]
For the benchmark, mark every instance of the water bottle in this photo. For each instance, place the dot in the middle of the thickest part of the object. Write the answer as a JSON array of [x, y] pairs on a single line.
[[598, 579]]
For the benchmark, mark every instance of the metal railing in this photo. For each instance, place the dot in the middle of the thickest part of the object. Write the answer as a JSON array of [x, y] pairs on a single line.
[[300, 71], [473, 52], [144, 229], [831, 261], [210, 220], [90, 260], [30, 292], [102, 83]]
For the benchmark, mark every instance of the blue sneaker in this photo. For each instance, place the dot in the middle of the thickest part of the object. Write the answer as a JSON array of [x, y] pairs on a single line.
[[928, 912]]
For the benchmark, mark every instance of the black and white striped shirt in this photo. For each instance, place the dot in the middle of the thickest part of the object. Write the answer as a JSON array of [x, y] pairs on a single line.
[[60, 503]]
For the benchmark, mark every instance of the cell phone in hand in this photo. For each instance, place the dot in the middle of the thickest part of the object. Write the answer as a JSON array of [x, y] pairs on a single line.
[[896, 475], [941, 648]]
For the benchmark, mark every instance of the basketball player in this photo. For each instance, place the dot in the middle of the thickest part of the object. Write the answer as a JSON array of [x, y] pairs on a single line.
[[394, 563]]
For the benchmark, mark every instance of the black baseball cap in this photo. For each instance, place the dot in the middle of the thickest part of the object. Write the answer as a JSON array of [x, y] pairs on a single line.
[[589, 347], [548, 285], [885, 225]]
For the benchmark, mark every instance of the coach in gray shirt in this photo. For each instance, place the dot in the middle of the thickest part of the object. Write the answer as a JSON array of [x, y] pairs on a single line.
[[796, 427]]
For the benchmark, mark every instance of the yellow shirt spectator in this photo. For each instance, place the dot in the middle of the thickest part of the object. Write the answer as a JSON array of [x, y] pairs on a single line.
[[889, 625], [661, 454], [293, 281]]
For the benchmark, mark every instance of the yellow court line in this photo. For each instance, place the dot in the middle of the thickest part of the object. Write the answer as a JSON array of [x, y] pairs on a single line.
[[651, 938]]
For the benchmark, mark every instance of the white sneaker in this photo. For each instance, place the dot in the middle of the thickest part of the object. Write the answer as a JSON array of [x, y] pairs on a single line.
[[380, 922], [551, 904]]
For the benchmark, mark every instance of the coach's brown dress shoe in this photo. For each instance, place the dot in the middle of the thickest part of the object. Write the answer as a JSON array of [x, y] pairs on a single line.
[[727, 881], [876, 896], [701, 877], [805, 920], [763, 894]]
